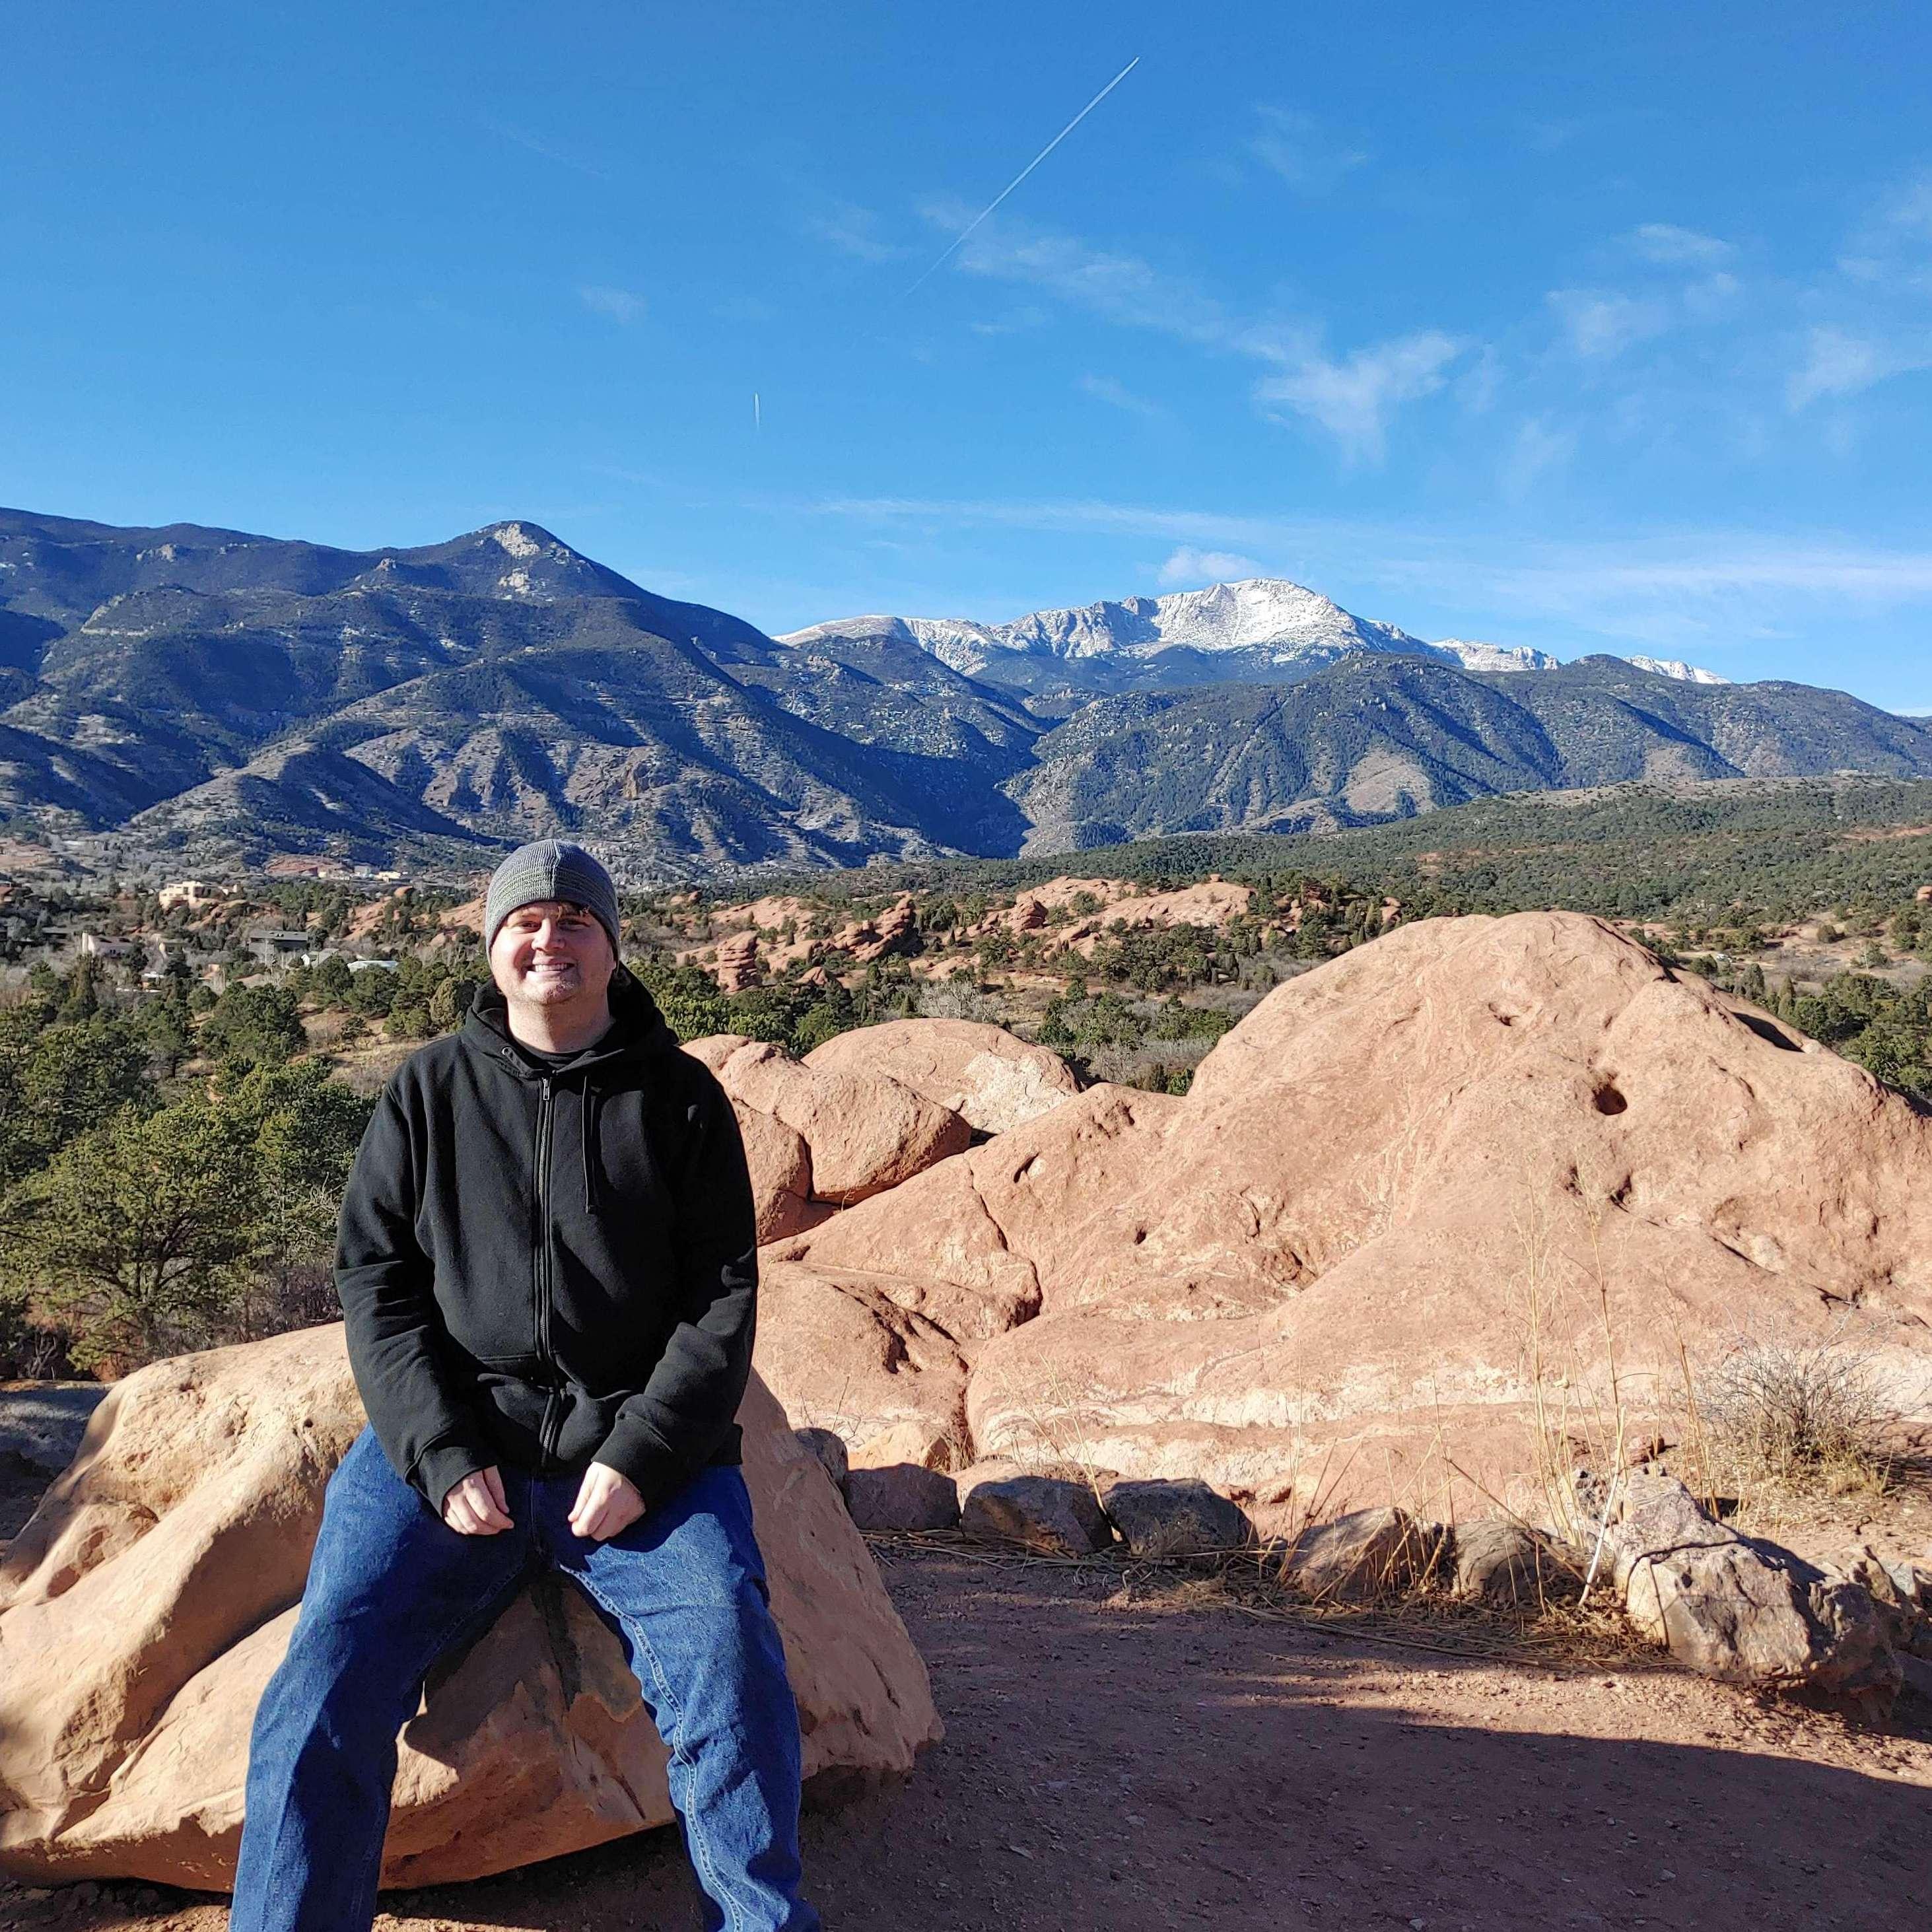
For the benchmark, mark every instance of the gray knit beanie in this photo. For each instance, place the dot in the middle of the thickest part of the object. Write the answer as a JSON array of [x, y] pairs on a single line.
[[549, 869]]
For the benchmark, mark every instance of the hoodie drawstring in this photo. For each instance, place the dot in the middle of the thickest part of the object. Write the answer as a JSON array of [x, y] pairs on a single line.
[[590, 1096]]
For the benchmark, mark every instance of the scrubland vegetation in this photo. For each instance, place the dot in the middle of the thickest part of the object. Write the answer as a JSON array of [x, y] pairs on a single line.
[[173, 1141]]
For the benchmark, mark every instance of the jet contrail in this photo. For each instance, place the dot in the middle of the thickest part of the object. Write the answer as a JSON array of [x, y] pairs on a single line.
[[757, 411], [1026, 170]]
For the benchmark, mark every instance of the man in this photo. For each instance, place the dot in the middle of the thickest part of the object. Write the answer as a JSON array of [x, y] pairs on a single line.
[[548, 1268]]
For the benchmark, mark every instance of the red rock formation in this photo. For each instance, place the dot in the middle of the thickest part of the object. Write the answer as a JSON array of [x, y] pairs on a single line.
[[1405, 1194], [866, 1131], [994, 1078], [143, 1607], [737, 963]]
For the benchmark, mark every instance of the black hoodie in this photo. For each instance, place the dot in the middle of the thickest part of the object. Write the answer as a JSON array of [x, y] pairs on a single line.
[[545, 1265]]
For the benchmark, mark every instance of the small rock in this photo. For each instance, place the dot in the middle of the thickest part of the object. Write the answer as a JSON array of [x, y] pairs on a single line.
[[1736, 1608], [1917, 1674], [924, 1442], [1001, 1469], [1045, 1513], [994, 1469], [1180, 1518], [902, 1495], [1370, 1553], [828, 1446], [1898, 1612], [1513, 1567]]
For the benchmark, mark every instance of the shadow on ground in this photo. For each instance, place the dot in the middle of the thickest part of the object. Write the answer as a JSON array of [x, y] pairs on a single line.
[[1126, 1766]]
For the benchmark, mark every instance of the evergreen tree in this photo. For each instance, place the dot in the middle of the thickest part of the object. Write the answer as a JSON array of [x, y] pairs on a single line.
[[80, 998], [137, 1231]]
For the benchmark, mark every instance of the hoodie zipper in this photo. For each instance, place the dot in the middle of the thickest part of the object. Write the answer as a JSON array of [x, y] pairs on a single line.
[[552, 1419]]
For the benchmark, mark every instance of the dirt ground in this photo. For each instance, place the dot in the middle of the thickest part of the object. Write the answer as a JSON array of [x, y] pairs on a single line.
[[1131, 1760]]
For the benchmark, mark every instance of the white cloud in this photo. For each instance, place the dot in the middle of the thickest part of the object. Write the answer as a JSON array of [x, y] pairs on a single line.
[[1190, 569], [1124, 288], [854, 231], [1711, 297], [1353, 400], [1538, 448], [1601, 323], [1910, 208], [1838, 363], [1885, 253], [1295, 146], [1109, 389], [1665, 243], [620, 304], [1018, 322]]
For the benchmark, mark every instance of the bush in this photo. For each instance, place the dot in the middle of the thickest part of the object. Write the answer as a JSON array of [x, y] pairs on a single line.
[[687, 996], [57, 1081], [255, 1025], [957, 998], [165, 1228], [135, 1231], [1803, 1413]]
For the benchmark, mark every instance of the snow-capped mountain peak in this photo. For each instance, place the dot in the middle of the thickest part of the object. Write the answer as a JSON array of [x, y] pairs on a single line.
[[1474, 656], [1685, 674], [1261, 627], [1283, 621]]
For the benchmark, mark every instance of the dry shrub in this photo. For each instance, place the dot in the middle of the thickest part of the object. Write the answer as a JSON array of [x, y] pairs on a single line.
[[1055, 1420], [1801, 1415], [958, 999]]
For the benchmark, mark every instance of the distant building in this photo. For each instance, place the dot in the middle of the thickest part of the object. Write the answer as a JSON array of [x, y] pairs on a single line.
[[270, 947], [189, 892], [372, 965], [101, 948]]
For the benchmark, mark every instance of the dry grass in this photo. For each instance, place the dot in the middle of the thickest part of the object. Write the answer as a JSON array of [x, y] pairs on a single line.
[[1053, 1423], [1246, 1583], [1800, 1418]]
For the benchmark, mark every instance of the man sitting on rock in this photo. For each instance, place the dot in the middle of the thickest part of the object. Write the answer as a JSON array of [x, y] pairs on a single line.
[[548, 1267]]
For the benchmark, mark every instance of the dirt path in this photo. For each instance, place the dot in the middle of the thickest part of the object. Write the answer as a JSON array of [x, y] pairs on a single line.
[[1137, 1766]]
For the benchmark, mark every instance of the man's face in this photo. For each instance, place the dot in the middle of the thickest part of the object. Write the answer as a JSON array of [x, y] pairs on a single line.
[[553, 954]]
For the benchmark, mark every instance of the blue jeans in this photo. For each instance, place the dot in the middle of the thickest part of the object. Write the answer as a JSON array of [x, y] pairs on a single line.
[[391, 1587]]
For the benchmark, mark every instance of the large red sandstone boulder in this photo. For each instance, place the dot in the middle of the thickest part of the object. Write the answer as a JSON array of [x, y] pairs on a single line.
[[816, 1138], [779, 1160], [780, 1169], [1401, 1200], [993, 1078], [144, 1606], [855, 1353], [866, 1131]]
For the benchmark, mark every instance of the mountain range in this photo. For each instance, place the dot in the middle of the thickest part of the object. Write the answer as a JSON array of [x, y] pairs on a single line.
[[212, 696]]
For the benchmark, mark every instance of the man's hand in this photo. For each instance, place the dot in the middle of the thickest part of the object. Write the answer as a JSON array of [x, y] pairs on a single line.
[[475, 1506], [606, 1503]]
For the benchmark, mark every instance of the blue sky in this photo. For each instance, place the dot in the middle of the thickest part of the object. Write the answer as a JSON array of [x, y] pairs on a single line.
[[1583, 328]]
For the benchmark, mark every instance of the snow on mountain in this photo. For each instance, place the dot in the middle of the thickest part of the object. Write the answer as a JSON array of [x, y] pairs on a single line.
[[1263, 614], [1260, 622], [1685, 674], [1260, 612], [1473, 655]]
